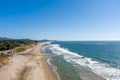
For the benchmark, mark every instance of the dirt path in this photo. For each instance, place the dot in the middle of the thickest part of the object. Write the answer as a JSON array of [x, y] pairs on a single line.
[[28, 65]]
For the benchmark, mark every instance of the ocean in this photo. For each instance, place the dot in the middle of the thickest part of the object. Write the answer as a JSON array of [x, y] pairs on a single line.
[[84, 60]]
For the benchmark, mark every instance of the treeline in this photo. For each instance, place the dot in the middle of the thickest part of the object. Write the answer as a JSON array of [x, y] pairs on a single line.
[[10, 44]]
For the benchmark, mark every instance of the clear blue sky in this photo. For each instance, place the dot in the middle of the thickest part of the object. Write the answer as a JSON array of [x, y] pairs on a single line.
[[60, 19]]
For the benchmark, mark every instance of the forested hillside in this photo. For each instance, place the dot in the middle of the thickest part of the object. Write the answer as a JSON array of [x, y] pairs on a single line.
[[6, 44]]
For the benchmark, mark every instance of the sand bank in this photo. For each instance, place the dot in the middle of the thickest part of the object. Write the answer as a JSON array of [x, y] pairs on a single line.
[[27, 65]]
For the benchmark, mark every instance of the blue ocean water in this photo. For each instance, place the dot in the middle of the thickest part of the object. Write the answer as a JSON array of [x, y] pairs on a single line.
[[102, 57]]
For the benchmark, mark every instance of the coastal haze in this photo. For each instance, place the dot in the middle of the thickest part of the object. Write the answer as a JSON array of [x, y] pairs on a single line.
[[60, 40]]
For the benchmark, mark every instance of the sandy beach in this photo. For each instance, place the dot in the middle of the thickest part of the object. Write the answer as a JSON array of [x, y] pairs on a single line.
[[27, 65]]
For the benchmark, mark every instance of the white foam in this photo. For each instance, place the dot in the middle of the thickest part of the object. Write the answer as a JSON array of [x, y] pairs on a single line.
[[102, 69]]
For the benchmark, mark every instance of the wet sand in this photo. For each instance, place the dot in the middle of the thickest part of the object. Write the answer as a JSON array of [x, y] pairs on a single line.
[[27, 65]]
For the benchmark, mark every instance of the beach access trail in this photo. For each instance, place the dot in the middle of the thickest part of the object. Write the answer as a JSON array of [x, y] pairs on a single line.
[[27, 65]]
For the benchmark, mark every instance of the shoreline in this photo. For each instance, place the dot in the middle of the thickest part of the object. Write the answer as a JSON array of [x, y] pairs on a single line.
[[53, 69], [77, 71], [27, 65], [83, 72], [49, 69]]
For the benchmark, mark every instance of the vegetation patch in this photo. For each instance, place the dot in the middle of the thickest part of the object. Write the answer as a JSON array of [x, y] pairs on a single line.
[[3, 60], [20, 49]]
